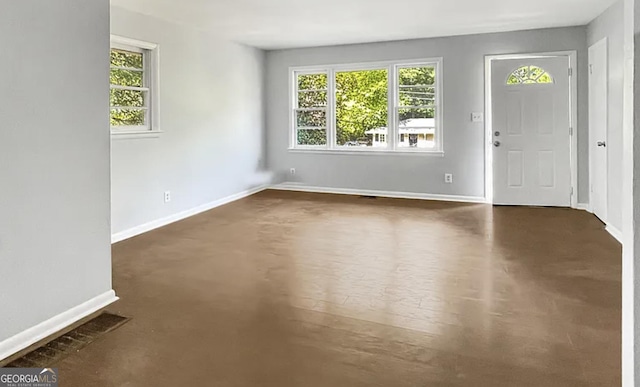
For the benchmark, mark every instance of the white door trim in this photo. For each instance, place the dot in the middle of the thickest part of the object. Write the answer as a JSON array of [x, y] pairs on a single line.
[[573, 103], [604, 41]]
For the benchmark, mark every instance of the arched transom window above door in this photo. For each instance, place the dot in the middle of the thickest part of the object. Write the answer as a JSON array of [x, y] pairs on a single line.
[[529, 75]]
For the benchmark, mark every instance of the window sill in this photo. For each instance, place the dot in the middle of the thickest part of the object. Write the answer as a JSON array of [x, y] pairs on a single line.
[[123, 135], [369, 152]]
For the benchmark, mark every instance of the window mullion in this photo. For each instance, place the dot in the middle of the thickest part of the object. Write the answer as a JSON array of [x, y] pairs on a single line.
[[146, 83], [438, 108], [294, 115], [331, 109], [391, 108]]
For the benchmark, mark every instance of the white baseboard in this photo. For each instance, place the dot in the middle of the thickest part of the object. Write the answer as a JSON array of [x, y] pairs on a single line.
[[615, 233], [610, 229], [130, 233], [55, 324], [384, 194], [583, 207]]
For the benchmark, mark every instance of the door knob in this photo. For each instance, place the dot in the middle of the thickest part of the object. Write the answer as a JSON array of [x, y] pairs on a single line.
[[496, 143], [602, 143]]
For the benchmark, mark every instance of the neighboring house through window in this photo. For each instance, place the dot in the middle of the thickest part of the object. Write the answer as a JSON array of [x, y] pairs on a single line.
[[133, 83], [389, 106]]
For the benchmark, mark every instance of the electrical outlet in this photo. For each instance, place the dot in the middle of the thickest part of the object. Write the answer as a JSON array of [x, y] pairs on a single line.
[[292, 171], [477, 117], [448, 178], [167, 196]]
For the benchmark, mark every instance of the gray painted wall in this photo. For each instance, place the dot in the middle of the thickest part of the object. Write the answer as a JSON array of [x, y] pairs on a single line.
[[463, 93], [55, 250], [212, 116], [610, 25]]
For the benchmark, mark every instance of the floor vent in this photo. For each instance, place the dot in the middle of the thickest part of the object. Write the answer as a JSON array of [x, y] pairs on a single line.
[[70, 342], [368, 197]]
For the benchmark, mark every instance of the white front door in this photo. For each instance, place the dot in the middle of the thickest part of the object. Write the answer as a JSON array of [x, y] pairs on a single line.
[[531, 131], [598, 112]]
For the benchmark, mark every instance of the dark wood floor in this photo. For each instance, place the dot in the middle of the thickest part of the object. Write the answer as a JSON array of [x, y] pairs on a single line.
[[289, 289]]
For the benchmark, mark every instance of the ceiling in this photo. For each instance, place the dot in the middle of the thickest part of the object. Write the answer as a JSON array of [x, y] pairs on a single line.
[[275, 24]]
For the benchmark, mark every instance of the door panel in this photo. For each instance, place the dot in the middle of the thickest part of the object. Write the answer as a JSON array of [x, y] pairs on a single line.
[[546, 114], [515, 164], [531, 124], [546, 169], [514, 113], [598, 116]]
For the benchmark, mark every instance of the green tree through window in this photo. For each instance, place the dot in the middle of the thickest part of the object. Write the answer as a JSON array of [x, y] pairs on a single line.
[[529, 75], [128, 98], [311, 109], [361, 105], [417, 93]]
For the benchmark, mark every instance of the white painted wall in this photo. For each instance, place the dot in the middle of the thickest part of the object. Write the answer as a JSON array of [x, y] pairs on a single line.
[[212, 116], [631, 198], [55, 251], [610, 25], [463, 94]]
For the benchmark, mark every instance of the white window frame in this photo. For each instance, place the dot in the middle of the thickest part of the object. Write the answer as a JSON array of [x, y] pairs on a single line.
[[393, 136], [150, 56]]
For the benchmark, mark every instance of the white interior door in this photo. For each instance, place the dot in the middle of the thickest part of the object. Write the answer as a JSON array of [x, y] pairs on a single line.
[[531, 131], [598, 127]]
